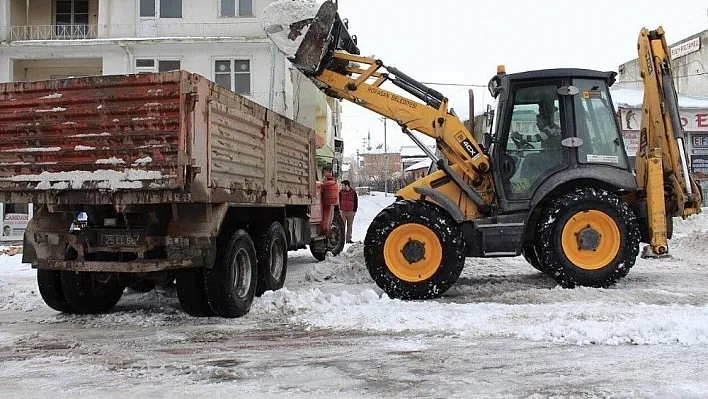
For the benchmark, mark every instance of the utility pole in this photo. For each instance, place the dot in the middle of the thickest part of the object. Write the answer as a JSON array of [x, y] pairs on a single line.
[[385, 159]]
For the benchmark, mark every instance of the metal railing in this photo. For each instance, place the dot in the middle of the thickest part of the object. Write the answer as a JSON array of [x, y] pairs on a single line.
[[53, 32], [144, 29]]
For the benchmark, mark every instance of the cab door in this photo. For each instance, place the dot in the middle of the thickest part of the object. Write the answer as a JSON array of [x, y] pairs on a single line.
[[528, 145]]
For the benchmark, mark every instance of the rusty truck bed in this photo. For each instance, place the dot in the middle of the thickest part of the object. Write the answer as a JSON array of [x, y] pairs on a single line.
[[148, 138]]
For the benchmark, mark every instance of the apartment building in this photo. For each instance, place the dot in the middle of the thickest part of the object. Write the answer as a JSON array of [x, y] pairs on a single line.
[[220, 39]]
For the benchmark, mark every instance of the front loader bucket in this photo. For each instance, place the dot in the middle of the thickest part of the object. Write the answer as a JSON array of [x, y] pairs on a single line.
[[318, 38]]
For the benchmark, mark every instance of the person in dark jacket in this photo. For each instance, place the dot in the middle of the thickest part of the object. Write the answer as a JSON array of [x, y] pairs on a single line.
[[348, 204]]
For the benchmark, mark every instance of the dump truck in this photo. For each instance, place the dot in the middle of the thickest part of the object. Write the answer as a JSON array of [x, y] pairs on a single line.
[[552, 181], [179, 179]]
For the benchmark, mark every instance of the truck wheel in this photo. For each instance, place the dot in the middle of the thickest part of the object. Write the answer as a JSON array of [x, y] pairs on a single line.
[[91, 292], [49, 282], [337, 235], [272, 251], [414, 250], [588, 237], [191, 292], [231, 283]]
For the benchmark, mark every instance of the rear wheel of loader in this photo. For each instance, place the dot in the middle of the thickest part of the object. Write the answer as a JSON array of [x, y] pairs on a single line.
[[588, 237], [414, 250], [231, 283], [272, 250], [91, 292], [191, 292]]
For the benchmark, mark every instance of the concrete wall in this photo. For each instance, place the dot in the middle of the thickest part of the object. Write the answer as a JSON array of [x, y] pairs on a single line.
[[690, 71]]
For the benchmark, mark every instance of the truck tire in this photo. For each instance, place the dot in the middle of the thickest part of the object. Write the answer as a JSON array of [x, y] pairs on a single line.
[[91, 292], [414, 250], [231, 283], [49, 282], [191, 292], [337, 235], [587, 237], [272, 252]]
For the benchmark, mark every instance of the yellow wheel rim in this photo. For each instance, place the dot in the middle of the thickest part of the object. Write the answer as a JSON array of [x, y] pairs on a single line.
[[591, 239], [413, 252]]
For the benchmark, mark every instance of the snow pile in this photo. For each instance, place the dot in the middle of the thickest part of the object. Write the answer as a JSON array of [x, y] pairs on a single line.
[[598, 323], [106, 179], [347, 267], [84, 148], [92, 134], [277, 18]]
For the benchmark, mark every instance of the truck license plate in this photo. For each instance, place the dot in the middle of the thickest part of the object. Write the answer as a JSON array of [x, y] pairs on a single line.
[[119, 240]]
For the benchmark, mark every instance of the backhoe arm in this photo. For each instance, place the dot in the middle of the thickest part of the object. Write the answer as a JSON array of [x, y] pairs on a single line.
[[662, 161]]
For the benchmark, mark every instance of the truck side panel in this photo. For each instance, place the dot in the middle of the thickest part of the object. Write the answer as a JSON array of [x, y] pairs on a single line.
[[112, 132]]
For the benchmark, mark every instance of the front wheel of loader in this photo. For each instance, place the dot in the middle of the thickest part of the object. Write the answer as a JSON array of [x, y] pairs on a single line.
[[414, 250], [587, 237]]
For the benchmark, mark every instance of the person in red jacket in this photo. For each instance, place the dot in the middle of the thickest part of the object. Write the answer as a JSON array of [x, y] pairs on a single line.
[[348, 204]]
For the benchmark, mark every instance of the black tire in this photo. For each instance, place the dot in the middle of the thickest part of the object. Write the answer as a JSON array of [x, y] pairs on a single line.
[[91, 292], [572, 209], [529, 253], [319, 255], [272, 252], [420, 218], [191, 292], [337, 235], [231, 283], [49, 282]]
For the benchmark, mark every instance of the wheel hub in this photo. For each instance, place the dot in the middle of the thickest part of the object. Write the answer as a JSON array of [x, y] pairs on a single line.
[[413, 251], [589, 239]]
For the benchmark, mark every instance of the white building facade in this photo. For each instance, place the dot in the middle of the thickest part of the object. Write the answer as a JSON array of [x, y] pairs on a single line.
[[221, 40]]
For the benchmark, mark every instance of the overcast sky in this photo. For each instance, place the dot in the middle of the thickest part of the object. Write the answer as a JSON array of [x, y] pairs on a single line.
[[461, 41]]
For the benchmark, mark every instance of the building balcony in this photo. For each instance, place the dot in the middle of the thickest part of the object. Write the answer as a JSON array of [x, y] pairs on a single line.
[[143, 30], [53, 32]]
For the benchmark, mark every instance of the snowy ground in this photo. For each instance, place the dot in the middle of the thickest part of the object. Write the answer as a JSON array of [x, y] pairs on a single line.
[[503, 331]]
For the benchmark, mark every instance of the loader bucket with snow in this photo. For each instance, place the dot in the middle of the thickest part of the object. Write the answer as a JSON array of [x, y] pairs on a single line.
[[325, 33]]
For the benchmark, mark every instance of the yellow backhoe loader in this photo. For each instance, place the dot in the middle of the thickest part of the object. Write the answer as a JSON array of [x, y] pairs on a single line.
[[552, 183]]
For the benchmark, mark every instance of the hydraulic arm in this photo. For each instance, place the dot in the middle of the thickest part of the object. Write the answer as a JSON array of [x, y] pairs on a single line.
[[329, 56], [662, 162]]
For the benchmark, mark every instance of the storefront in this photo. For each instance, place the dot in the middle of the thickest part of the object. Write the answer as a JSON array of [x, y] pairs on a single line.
[[694, 117]]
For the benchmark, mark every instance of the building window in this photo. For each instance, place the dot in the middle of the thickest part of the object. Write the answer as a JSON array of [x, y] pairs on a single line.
[[71, 17], [228, 8], [149, 65], [235, 75], [167, 8]]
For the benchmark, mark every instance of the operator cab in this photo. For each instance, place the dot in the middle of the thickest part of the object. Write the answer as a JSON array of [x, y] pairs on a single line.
[[552, 127]]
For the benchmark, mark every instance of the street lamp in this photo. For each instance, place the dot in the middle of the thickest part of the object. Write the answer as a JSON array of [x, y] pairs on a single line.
[[383, 119]]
